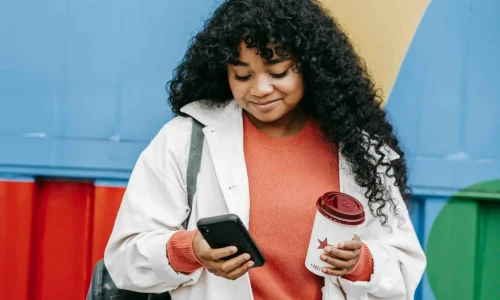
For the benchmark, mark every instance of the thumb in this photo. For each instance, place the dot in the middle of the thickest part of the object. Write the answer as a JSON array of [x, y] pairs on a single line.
[[200, 245]]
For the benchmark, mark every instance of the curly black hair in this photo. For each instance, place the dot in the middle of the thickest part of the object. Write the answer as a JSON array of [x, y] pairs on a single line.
[[339, 92]]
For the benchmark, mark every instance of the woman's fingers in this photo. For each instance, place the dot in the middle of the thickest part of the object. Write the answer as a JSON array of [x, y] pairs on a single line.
[[334, 272], [340, 253], [355, 244], [218, 254], [339, 263], [230, 269], [240, 271], [232, 264]]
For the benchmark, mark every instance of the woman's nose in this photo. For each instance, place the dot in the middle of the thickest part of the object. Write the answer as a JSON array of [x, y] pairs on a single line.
[[261, 87]]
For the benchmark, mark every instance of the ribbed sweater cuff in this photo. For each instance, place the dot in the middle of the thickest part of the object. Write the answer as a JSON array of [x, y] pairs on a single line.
[[363, 269], [180, 252]]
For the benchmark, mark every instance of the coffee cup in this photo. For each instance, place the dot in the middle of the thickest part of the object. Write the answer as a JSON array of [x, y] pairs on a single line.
[[338, 219]]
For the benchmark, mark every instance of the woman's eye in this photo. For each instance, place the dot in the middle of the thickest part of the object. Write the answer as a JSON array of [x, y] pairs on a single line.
[[280, 75], [242, 78]]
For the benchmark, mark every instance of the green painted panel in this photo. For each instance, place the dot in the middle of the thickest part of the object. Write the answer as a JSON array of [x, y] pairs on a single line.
[[489, 278], [463, 249], [489, 190], [451, 250]]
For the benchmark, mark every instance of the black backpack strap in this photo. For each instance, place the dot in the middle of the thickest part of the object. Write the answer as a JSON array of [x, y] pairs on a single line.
[[95, 291], [102, 286], [194, 162]]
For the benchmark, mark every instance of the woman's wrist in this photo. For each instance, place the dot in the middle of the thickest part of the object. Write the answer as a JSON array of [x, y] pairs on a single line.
[[180, 252], [363, 269]]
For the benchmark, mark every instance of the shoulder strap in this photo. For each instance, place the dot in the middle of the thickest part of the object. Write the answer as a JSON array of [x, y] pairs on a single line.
[[194, 161], [101, 278]]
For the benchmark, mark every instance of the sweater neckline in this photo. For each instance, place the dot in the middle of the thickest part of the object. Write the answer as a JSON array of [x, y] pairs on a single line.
[[308, 134]]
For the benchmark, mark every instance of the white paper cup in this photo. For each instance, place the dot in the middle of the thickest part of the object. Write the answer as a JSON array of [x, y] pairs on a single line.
[[338, 219]]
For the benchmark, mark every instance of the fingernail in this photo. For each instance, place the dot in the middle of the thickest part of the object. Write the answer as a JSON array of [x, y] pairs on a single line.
[[327, 249], [323, 270], [250, 264], [234, 249], [246, 257], [323, 257], [341, 245]]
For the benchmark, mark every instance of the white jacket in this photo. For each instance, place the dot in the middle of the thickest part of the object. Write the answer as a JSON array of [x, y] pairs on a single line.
[[155, 206]]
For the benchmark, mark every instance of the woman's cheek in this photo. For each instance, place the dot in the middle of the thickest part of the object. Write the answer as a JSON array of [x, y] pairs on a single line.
[[239, 94], [291, 84], [237, 91]]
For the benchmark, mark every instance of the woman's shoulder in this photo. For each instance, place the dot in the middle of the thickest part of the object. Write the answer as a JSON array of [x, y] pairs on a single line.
[[179, 128], [179, 125], [171, 143]]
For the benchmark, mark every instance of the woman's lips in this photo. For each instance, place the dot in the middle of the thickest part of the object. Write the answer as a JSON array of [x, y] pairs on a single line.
[[265, 106]]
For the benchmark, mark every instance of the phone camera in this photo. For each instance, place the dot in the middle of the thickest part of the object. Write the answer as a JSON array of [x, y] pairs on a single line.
[[206, 231]]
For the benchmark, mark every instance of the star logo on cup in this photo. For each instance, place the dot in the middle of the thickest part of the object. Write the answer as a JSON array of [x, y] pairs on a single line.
[[343, 203], [323, 244]]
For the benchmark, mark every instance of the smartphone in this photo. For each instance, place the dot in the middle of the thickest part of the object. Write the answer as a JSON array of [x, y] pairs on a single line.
[[228, 230]]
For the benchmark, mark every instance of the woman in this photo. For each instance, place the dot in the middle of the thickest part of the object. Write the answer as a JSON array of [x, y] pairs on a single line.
[[290, 113]]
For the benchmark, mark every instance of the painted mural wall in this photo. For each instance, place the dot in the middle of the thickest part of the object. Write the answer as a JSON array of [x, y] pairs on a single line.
[[446, 108], [82, 91]]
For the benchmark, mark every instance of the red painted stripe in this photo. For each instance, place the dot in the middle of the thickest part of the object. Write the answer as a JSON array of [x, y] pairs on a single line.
[[61, 244], [106, 204], [16, 209], [51, 235]]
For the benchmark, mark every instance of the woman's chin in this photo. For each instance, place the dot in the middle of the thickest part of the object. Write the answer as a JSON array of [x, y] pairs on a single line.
[[267, 117]]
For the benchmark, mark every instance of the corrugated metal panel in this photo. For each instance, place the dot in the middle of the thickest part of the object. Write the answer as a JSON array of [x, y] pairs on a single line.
[[463, 251], [444, 107], [460, 234], [52, 233], [16, 219], [106, 204], [445, 104], [61, 240]]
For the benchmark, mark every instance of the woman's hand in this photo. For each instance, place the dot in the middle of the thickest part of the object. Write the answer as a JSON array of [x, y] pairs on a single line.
[[211, 259], [343, 258]]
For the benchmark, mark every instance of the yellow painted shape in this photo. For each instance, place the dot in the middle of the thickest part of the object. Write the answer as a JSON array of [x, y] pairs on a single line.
[[381, 32]]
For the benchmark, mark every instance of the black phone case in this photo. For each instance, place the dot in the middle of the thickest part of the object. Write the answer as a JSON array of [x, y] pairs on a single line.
[[228, 230]]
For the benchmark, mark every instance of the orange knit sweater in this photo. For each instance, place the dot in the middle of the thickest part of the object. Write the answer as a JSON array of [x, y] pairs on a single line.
[[286, 176]]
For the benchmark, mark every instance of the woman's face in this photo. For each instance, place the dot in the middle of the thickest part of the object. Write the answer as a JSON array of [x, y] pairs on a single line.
[[267, 89]]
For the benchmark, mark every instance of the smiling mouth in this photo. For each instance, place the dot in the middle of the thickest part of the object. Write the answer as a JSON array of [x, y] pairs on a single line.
[[265, 103]]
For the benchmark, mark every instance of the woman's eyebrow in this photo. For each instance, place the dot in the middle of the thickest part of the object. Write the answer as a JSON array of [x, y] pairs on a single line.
[[236, 62]]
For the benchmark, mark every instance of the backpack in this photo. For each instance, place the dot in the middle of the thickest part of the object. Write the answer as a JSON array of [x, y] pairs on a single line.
[[102, 286]]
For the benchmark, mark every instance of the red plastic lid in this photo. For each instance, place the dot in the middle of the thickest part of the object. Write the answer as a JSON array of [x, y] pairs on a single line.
[[341, 208]]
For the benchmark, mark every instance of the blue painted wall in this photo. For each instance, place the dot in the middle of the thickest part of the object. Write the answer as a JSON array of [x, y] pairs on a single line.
[[83, 82], [84, 79], [446, 103]]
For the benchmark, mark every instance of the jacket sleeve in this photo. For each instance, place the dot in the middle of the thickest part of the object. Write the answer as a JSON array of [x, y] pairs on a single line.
[[399, 261], [152, 210]]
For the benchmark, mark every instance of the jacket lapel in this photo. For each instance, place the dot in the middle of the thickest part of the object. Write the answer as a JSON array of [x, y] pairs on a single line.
[[225, 143]]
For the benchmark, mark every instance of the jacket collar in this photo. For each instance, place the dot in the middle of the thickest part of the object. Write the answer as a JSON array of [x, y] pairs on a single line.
[[217, 118]]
